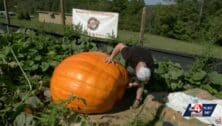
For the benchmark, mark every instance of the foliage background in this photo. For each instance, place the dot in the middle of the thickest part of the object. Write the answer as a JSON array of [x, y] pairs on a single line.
[[193, 20]]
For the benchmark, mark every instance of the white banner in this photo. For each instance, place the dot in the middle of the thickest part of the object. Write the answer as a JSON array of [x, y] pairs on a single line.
[[96, 23]]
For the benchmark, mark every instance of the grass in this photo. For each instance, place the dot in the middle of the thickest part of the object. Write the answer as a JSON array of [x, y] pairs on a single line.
[[160, 42], [34, 23], [150, 40]]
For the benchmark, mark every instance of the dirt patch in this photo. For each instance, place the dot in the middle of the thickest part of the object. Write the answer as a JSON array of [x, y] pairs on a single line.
[[152, 112]]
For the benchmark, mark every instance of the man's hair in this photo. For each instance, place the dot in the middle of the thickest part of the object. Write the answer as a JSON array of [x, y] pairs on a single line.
[[143, 74]]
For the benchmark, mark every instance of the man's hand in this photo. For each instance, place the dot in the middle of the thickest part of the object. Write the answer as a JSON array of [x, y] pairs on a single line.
[[118, 48], [132, 84], [109, 59]]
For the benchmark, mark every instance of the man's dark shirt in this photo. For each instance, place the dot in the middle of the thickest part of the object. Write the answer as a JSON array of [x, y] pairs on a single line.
[[135, 54]]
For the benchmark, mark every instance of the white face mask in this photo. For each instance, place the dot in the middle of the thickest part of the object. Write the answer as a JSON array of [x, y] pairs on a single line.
[[143, 74]]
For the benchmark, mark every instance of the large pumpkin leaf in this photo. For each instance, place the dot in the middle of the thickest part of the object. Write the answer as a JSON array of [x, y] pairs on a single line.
[[215, 78], [24, 119], [175, 74], [198, 76]]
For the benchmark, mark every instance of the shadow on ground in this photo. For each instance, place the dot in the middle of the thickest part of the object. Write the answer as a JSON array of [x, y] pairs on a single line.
[[126, 101]]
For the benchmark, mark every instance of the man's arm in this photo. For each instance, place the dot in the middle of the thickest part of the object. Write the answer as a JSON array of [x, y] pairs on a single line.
[[118, 48]]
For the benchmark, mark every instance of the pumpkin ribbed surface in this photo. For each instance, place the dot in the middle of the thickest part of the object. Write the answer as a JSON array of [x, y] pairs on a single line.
[[86, 75]]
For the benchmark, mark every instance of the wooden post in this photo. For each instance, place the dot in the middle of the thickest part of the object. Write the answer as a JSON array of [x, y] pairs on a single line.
[[6, 14], [62, 12], [142, 26], [200, 14]]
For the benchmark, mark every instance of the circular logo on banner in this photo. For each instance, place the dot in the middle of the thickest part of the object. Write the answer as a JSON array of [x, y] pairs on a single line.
[[198, 108], [93, 23]]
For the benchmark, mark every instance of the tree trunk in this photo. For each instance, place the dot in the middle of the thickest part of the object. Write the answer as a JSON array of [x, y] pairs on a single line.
[[62, 12]]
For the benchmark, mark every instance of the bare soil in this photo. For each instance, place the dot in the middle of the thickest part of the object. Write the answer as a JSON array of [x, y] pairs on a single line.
[[153, 111]]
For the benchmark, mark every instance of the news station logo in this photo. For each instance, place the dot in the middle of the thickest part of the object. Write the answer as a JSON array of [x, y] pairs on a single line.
[[199, 109]]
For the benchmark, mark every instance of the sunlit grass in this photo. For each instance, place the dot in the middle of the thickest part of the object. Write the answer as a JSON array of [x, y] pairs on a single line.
[[150, 40]]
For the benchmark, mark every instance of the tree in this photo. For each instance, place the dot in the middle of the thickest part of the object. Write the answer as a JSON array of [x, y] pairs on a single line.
[[119, 5], [130, 16]]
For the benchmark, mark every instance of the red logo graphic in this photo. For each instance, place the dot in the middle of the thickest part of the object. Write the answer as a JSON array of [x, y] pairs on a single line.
[[197, 108], [93, 23]]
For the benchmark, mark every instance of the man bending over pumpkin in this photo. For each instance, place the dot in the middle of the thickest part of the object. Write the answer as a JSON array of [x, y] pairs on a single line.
[[139, 62]]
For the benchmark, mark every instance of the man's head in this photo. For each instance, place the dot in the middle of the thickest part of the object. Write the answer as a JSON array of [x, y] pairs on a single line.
[[143, 74]]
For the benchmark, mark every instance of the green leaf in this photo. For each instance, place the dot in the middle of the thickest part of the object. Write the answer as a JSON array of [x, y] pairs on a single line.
[[175, 74], [162, 68], [38, 58], [24, 119], [176, 85], [20, 55], [173, 86], [84, 123], [44, 66], [5, 51], [52, 53], [34, 67], [33, 102], [166, 76], [17, 108], [198, 76], [209, 88], [33, 51], [177, 65], [215, 78], [65, 46], [219, 95], [2, 55], [29, 62], [53, 63]]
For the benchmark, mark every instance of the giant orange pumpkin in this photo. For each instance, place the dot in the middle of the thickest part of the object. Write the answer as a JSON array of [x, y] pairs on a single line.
[[86, 75]]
